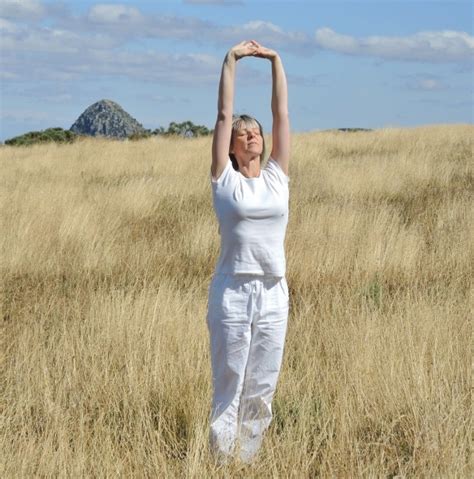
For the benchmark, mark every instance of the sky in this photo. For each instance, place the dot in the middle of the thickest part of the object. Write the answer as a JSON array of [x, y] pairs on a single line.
[[366, 64]]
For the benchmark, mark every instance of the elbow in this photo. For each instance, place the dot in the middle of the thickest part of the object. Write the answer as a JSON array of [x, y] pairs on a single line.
[[224, 116], [281, 114]]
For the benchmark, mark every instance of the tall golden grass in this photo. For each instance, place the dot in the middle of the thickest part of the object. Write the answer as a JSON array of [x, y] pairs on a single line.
[[107, 252]]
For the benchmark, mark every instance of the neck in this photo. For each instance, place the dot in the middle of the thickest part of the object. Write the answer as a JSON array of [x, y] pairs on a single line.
[[250, 168]]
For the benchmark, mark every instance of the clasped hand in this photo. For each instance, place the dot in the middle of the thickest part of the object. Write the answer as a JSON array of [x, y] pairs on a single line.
[[251, 48]]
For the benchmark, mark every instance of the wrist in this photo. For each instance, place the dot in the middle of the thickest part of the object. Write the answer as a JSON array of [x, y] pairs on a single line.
[[231, 56]]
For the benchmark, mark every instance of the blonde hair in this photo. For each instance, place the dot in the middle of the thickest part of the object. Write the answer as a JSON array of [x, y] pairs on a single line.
[[248, 121]]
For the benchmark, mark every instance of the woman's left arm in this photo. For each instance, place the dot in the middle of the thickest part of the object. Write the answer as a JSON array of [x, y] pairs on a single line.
[[281, 123]]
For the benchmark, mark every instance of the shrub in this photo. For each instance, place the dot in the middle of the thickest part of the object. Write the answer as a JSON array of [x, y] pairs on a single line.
[[57, 135], [140, 135], [185, 129]]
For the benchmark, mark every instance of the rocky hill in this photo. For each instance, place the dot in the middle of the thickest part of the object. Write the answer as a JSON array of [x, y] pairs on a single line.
[[106, 118]]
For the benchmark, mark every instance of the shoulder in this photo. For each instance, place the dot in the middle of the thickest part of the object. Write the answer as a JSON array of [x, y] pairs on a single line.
[[227, 173], [273, 169], [223, 174]]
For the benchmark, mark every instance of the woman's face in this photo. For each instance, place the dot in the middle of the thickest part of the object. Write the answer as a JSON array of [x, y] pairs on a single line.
[[247, 141]]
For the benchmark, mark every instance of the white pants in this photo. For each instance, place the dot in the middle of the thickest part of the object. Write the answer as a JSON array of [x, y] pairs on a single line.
[[247, 319]]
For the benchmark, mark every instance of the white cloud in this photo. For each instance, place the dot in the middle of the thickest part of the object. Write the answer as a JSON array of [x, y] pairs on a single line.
[[113, 24], [55, 55], [22, 9], [29, 39], [24, 116], [8, 28], [430, 84], [126, 23], [103, 13], [266, 33], [109, 25], [59, 98], [78, 47], [158, 67], [37, 53], [436, 47], [262, 27], [424, 82], [8, 75]]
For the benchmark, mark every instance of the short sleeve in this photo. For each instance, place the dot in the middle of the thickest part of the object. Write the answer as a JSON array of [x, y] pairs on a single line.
[[224, 175], [274, 169]]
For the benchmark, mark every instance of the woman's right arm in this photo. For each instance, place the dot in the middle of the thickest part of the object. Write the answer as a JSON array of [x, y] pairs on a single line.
[[225, 106]]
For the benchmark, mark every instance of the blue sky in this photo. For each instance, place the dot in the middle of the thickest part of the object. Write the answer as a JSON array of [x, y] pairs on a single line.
[[350, 63]]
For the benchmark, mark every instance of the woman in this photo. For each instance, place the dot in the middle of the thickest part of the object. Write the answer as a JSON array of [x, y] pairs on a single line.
[[248, 294]]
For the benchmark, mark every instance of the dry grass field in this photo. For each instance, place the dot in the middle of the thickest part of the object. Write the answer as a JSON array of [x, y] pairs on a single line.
[[107, 250]]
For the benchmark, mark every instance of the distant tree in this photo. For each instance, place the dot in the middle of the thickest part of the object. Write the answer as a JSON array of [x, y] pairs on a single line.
[[57, 135], [158, 131], [186, 129], [140, 135]]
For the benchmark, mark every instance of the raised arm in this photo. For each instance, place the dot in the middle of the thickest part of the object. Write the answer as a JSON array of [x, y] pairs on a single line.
[[225, 105], [281, 123]]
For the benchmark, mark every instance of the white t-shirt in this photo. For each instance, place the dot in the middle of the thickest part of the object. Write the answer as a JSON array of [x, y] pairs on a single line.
[[252, 215]]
